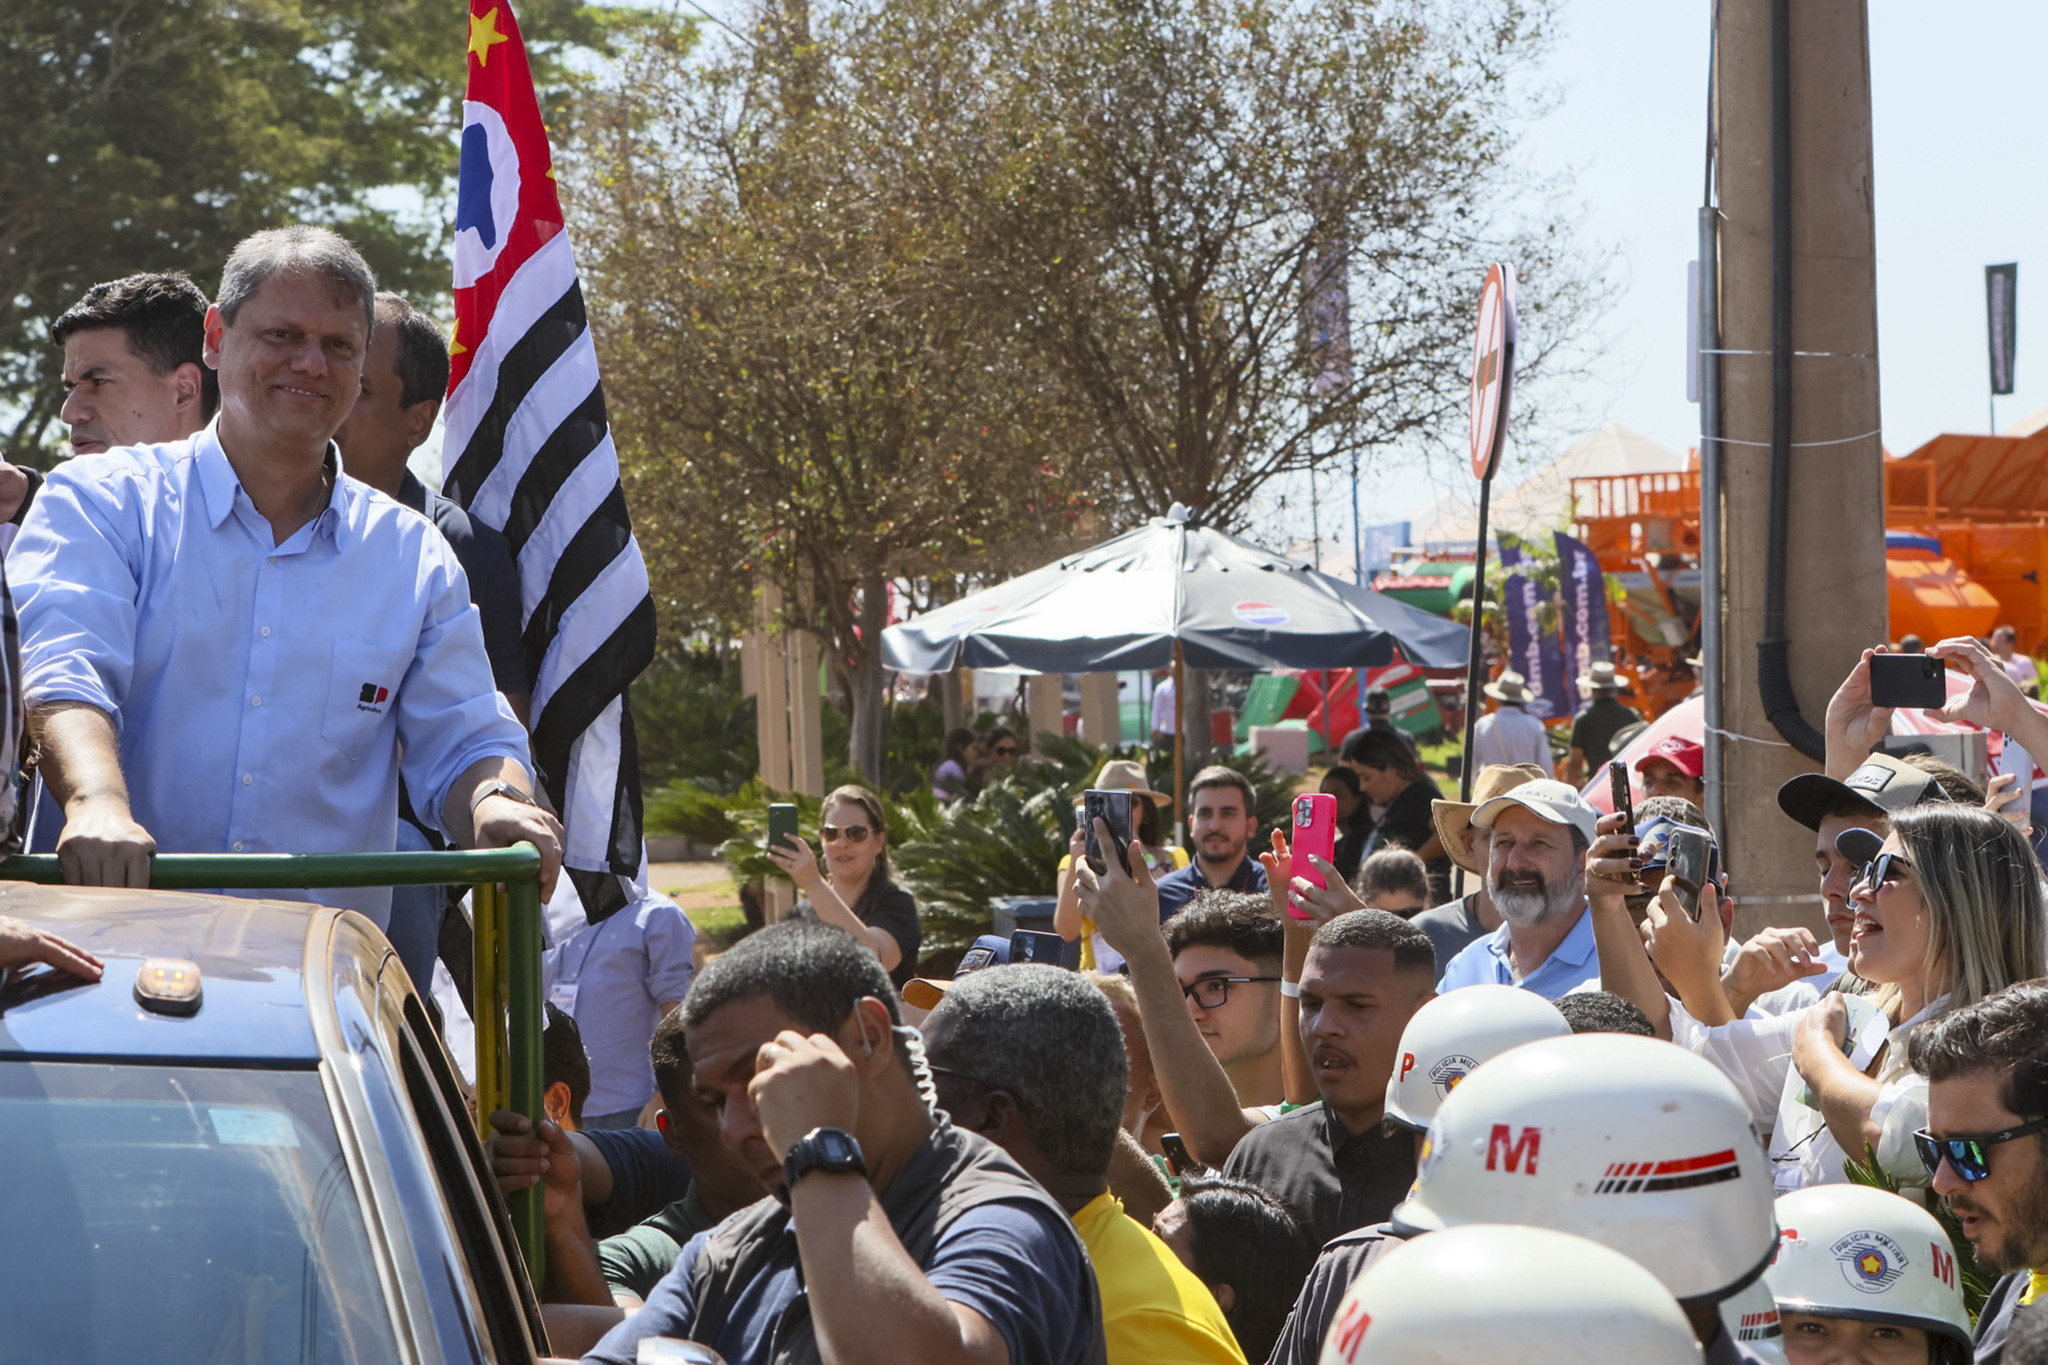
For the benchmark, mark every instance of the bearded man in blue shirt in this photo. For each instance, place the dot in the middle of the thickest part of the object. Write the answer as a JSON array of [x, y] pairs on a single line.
[[231, 646]]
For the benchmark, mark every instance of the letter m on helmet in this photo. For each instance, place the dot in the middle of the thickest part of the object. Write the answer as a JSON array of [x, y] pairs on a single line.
[[1503, 1149], [1944, 1265]]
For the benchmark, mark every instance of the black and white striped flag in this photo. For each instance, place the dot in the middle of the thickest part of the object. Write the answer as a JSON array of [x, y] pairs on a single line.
[[528, 450]]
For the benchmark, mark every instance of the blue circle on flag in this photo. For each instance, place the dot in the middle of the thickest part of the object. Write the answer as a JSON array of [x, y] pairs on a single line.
[[486, 193]]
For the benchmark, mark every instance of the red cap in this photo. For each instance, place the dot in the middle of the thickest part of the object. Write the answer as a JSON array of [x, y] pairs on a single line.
[[1683, 754]]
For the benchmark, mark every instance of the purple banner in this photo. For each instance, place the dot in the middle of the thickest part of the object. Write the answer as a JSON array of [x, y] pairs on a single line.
[[1531, 651], [1584, 613]]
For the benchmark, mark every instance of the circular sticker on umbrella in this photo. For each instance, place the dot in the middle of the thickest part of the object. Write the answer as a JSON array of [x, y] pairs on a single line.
[[1261, 614]]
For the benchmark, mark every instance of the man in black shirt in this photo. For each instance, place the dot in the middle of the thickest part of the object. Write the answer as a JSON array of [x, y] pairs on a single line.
[[404, 375], [1594, 728], [1365, 974]]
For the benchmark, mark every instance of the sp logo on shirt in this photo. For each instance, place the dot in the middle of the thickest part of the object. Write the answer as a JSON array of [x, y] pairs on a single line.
[[372, 698]]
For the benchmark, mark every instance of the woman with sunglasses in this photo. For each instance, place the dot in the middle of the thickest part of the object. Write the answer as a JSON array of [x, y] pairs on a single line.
[[1948, 908], [855, 890]]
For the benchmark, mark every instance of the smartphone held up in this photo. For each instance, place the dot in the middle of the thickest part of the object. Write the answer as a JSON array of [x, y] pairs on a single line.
[[1314, 832], [1113, 808], [1908, 680]]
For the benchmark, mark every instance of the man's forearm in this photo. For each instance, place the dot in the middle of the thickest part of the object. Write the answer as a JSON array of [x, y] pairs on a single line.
[[1297, 1077], [1624, 966], [456, 814], [574, 1275], [80, 753], [857, 1274], [1196, 1088]]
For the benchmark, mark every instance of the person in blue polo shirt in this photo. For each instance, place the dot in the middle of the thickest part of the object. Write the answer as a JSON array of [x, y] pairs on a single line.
[[1536, 875], [1221, 822]]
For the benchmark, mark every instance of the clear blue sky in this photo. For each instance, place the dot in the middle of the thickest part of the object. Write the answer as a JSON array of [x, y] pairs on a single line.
[[1959, 185]]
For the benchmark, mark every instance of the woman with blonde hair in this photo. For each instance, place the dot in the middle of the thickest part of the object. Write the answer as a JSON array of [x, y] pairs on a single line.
[[1948, 908]]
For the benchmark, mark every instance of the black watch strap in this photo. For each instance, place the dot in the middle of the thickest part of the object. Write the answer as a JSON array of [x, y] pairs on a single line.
[[823, 1149]]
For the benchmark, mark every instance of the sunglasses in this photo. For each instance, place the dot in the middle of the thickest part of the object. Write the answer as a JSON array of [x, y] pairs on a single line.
[[1213, 992], [1006, 751], [1881, 871], [1969, 1156], [854, 834]]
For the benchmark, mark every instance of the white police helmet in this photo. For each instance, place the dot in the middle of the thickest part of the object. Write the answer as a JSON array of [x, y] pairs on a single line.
[[1454, 1033], [1850, 1251], [1750, 1318], [1482, 1295], [1632, 1142]]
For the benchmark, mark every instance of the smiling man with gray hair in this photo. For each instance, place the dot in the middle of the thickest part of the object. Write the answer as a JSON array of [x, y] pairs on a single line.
[[1032, 1058], [229, 645], [1536, 876]]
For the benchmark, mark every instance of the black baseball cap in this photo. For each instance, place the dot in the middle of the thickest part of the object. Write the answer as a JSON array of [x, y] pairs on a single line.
[[1883, 784]]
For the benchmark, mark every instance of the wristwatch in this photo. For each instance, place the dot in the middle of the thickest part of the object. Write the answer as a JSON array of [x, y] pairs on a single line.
[[500, 787], [822, 1149]]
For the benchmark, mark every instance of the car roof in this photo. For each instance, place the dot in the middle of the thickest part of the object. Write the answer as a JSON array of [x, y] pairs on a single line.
[[251, 956]]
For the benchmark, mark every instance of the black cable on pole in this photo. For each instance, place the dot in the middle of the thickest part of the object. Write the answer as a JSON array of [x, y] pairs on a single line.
[[1773, 662]]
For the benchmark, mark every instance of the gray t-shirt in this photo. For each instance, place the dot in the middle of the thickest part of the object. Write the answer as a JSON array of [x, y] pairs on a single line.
[[1451, 927]]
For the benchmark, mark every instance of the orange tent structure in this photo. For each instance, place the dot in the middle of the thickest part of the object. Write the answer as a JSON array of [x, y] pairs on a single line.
[[1985, 500]]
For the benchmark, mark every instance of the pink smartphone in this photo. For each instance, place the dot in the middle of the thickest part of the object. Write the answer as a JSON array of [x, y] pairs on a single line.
[[1315, 831]]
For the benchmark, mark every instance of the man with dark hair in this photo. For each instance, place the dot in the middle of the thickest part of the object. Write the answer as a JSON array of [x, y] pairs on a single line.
[[884, 1216], [564, 1069], [253, 640], [1603, 1012], [1221, 821], [1207, 999], [1366, 972], [1987, 1136], [1394, 880], [1031, 1058], [134, 372], [405, 372]]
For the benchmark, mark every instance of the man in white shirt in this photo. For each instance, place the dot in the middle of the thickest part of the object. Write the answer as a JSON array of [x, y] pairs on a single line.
[[1510, 734], [1164, 714]]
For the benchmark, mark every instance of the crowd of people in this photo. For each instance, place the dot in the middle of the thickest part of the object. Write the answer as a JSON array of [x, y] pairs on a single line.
[[1291, 1108], [1288, 1115]]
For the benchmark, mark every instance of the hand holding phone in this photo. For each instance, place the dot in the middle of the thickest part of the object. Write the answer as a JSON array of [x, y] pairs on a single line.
[[1689, 856], [1113, 808], [1618, 791]]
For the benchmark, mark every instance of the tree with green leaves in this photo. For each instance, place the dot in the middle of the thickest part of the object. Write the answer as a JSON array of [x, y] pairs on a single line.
[[154, 136]]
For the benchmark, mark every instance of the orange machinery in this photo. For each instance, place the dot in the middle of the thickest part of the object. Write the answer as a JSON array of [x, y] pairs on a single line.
[[1645, 530], [1983, 501]]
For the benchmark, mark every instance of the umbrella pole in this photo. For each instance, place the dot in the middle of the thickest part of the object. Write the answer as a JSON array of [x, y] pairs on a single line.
[[1475, 666], [1180, 735]]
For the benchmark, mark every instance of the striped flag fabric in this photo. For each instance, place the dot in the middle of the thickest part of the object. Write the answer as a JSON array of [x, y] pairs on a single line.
[[528, 450]]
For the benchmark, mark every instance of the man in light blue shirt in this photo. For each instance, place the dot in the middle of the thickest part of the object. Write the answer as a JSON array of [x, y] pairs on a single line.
[[231, 646], [1536, 876]]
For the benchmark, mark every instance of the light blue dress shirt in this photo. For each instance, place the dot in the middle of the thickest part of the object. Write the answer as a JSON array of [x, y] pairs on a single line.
[[1484, 962], [613, 977], [267, 696]]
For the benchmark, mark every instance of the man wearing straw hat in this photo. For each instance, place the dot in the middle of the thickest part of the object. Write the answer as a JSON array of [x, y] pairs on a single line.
[[1510, 734], [1455, 924], [1594, 728]]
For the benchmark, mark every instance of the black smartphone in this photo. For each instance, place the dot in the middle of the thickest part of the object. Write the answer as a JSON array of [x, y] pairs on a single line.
[[1907, 680], [1113, 808], [1178, 1160], [782, 826], [1624, 803], [1689, 855], [1035, 945]]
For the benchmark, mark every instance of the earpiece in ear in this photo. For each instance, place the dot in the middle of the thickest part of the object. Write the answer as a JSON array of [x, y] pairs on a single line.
[[867, 1045]]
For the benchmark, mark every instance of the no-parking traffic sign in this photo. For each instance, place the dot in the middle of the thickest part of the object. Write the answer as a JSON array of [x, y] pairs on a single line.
[[1493, 369]]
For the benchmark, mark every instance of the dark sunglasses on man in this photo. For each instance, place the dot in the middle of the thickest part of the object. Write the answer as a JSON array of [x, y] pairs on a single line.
[[1969, 1156]]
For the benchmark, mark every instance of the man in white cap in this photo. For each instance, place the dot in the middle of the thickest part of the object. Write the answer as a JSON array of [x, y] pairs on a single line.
[[1510, 733], [1455, 924], [1536, 876], [1594, 728]]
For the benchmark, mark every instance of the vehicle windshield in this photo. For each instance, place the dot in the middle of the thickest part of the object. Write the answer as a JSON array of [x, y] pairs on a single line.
[[180, 1215]]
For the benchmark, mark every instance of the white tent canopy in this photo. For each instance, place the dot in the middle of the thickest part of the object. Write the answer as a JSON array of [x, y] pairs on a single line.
[[1540, 501]]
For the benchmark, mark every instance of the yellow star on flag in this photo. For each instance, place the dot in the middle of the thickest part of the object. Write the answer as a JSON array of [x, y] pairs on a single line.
[[484, 35], [455, 347]]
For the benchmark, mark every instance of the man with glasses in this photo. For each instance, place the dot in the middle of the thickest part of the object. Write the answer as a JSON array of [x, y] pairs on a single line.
[[1208, 997], [1986, 1141]]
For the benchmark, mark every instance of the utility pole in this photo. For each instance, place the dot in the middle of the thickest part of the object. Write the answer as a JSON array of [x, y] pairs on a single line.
[[1798, 380]]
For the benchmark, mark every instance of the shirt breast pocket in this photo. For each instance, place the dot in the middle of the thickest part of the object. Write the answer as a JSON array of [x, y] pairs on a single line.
[[362, 693]]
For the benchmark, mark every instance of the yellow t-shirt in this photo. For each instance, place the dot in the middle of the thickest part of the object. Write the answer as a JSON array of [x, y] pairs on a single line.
[[1154, 1310]]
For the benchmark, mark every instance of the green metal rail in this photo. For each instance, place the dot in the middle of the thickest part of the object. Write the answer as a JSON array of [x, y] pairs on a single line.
[[505, 904]]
